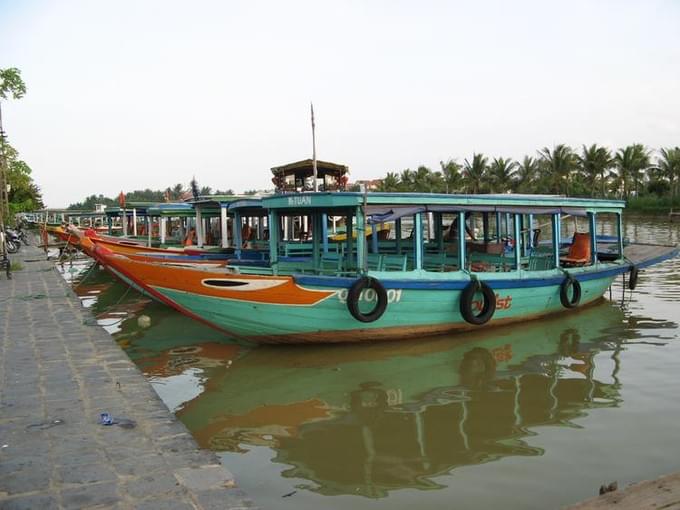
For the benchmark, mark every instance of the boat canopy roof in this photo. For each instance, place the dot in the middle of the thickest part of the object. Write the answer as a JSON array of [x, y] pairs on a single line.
[[172, 209], [245, 204], [394, 205]]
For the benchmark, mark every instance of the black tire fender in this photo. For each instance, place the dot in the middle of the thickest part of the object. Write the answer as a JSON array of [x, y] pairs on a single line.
[[362, 283], [633, 277], [570, 281], [466, 300]]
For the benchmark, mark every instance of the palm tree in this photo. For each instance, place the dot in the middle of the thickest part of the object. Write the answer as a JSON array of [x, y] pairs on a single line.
[[177, 191], [501, 173], [390, 182], [593, 163], [525, 174], [669, 167], [474, 173], [453, 180], [421, 179], [630, 163], [558, 164], [407, 179]]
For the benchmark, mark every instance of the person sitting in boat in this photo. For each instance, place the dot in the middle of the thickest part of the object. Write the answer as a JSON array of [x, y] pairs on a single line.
[[452, 232]]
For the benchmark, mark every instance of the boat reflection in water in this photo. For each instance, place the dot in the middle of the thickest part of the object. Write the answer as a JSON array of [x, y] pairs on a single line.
[[369, 419], [365, 420]]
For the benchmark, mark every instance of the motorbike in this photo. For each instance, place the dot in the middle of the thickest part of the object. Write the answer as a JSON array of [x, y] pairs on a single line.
[[22, 235], [12, 240], [5, 264]]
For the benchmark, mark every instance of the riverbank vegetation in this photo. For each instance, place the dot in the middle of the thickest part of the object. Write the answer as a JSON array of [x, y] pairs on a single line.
[[18, 191], [175, 193], [647, 179]]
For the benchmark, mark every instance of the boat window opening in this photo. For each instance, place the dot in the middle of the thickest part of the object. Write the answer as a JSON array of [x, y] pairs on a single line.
[[578, 246], [223, 283]]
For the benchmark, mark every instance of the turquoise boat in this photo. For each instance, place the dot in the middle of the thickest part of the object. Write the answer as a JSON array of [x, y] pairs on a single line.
[[417, 273]]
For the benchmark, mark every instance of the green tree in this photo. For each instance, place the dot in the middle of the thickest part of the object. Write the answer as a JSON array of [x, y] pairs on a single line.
[[453, 180], [669, 168], [630, 163], [557, 165], [407, 180], [474, 173], [11, 84], [177, 191], [502, 174], [525, 175], [390, 182], [23, 193], [594, 163]]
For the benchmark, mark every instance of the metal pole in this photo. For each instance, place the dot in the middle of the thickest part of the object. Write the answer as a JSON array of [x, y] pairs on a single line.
[[316, 184]]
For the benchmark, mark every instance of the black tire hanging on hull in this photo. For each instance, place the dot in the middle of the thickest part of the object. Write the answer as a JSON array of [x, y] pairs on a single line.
[[366, 282], [467, 299], [574, 300]]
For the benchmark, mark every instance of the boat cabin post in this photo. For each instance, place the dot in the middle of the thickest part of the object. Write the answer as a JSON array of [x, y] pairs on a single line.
[[324, 232], [619, 233], [556, 227], [224, 226], [418, 241], [362, 261], [237, 233], [461, 240], [274, 231], [593, 237], [518, 241]]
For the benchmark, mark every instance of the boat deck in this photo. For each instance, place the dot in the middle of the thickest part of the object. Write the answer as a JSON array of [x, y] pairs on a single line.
[[643, 255]]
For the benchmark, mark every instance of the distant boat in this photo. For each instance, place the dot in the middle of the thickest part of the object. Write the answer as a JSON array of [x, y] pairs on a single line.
[[437, 279]]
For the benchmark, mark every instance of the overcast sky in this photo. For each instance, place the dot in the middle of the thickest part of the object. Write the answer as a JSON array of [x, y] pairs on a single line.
[[134, 94]]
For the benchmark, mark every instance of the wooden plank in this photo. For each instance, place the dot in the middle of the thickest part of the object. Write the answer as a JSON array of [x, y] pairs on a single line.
[[642, 254]]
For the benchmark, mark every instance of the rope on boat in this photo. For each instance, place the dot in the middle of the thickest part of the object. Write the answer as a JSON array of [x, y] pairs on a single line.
[[87, 273]]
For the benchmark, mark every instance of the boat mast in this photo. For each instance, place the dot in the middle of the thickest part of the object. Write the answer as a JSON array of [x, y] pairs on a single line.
[[316, 184]]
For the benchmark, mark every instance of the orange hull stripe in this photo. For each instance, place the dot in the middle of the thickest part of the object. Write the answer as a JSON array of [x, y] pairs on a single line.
[[190, 280]]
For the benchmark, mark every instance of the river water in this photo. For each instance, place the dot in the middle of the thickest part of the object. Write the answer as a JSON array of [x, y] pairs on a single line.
[[537, 415]]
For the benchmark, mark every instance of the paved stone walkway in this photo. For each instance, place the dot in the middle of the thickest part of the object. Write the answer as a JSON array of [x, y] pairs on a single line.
[[57, 374], [662, 493]]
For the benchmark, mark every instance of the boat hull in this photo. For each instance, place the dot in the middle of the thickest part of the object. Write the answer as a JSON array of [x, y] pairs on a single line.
[[288, 309], [410, 313]]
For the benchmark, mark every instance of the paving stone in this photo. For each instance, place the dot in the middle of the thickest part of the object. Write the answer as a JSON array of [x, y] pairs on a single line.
[[205, 477], [154, 485], [86, 473], [90, 495], [58, 371], [164, 504], [32, 502], [26, 480]]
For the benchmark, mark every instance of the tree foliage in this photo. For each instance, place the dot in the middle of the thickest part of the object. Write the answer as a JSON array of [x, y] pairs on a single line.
[[11, 84], [594, 171], [24, 194], [175, 193]]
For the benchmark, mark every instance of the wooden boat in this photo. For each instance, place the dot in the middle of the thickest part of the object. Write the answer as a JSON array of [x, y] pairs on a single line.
[[87, 243], [436, 280]]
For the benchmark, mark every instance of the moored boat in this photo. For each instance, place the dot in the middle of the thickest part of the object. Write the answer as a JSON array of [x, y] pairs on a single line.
[[517, 258]]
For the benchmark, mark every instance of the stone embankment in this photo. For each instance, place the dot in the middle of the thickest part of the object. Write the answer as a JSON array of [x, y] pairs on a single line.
[[662, 493], [58, 373]]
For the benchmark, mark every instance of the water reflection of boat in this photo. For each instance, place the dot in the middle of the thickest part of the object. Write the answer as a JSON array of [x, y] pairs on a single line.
[[354, 426]]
